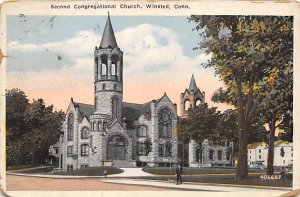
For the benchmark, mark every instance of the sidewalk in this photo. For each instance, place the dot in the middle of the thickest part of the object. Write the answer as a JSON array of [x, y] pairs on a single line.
[[201, 186]]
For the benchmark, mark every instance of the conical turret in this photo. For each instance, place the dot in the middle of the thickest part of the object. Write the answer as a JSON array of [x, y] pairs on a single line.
[[108, 36], [193, 86]]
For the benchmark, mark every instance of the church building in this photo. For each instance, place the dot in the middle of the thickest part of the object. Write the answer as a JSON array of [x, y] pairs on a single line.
[[113, 132], [116, 133]]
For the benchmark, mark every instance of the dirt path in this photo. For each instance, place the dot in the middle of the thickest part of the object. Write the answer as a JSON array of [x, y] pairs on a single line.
[[21, 183]]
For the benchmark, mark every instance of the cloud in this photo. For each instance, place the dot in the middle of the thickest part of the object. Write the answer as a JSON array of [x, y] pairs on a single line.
[[154, 63], [15, 45]]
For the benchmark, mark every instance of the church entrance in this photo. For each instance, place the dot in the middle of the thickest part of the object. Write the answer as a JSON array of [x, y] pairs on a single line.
[[116, 148]]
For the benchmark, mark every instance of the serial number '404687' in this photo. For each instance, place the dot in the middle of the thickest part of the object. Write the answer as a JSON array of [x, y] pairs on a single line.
[[271, 177]]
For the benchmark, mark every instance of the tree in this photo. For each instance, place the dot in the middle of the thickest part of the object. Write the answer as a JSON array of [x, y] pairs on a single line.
[[31, 128], [276, 106], [244, 50], [199, 125], [17, 107], [183, 138]]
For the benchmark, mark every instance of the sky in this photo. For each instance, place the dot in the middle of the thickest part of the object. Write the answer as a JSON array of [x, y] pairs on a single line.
[[51, 57]]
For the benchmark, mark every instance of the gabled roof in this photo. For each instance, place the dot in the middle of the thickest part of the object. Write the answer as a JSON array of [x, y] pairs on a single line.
[[255, 145], [133, 111], [85, 109], [281, 143], [108, 36]]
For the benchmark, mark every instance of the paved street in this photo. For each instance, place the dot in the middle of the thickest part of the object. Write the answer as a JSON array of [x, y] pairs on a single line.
[[24, 183]]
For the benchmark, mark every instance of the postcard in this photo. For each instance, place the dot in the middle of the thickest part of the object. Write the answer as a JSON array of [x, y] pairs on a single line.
[[120, 98]]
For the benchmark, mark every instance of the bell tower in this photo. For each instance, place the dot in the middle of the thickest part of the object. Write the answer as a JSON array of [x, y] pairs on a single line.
[[191, 97], [108, 75]]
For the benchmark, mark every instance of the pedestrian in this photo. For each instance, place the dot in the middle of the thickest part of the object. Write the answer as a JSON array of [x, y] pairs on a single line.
[[105, 173], [178, 174]]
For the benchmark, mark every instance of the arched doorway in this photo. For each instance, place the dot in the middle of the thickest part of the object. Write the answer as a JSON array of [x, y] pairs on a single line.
[[116, 148]]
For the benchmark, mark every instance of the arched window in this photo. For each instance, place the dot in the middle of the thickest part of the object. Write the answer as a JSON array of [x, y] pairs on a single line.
[[115, 106], [198, 102], [104, 69], [70, 126], [103, 86], [165, 123], [142, 132], [187, 105], [94, 126], [113, 69], [85, 133], [104, 65]]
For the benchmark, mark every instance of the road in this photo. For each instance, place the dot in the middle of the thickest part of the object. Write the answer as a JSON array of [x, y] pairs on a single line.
[[22, 183]]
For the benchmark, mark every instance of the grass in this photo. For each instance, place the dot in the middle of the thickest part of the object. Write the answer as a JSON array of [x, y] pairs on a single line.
[[91, 171], [194, 171], [218, 176], [21, 167]]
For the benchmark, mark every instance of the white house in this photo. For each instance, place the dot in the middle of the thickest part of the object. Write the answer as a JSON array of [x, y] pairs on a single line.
[[258, 154], [283, 153]]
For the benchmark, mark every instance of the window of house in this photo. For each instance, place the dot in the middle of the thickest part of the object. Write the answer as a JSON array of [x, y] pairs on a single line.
[[115, 107], [104, 126], [69, 167], [259, 156], [161, 150], [165, 123], [84, 166], [228, 153], [142, 131], [211, 154], [85, 133], [283, 161], [250, 156], [70, 126], [140, 148], [103, 86], [168, 148], [70, 151], [56, 150], [220, 155], [147, 115], [259, 150], [84, 150]]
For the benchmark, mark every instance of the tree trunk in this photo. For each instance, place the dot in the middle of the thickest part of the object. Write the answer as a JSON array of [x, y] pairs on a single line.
[[270, 162], [242, 166]]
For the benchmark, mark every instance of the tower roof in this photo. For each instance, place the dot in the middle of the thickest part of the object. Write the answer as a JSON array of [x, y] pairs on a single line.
[[108, 36], [193, 85]]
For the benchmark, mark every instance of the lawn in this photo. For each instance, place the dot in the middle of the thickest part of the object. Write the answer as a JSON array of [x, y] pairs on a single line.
[[218, 176], [195, 171], [91, 171]]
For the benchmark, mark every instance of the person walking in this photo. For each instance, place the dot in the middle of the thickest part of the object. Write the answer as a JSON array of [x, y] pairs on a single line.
[[178, 174]]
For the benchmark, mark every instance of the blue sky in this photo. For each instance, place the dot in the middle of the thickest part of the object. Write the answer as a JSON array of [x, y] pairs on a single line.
[[48, 52]]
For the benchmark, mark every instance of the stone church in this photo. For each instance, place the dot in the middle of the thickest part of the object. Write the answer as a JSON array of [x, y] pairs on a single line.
[[113, 132]]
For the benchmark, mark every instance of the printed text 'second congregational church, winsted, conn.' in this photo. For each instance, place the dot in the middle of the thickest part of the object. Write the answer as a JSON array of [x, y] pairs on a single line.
[[113, 132]]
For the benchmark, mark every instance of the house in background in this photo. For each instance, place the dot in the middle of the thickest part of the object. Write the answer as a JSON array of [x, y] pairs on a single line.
[[258, 154]]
